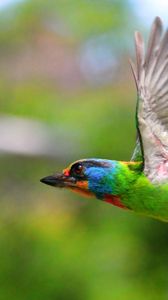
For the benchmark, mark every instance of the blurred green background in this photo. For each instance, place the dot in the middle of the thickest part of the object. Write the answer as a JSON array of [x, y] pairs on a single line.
[[66, 93]]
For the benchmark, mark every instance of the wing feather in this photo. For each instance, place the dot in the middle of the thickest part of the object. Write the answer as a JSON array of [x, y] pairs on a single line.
[[151, 77], [139, 47], [154, 39]]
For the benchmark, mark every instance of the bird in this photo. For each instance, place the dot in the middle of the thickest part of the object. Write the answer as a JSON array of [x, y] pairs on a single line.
[[141, 184]]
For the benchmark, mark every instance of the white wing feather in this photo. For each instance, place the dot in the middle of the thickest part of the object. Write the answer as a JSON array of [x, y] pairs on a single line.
[[151, 77]]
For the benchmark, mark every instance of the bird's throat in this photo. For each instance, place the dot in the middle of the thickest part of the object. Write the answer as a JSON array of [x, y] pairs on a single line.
[[82, 188]]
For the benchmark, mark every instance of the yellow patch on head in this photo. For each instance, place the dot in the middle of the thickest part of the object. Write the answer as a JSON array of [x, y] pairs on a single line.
[[128, 162]]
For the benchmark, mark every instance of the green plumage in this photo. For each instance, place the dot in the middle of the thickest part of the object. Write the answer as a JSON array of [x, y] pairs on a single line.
[[149, 199], [140, 195]]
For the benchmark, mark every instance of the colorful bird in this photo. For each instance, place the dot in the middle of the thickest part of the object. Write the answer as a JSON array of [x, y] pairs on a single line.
[[140, 185]]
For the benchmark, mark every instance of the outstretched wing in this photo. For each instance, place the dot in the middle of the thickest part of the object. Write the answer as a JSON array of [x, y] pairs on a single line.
[[151, 77], [138, 152]]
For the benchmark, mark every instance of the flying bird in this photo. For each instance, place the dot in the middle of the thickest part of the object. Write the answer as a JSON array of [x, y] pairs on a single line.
[[141, 184]]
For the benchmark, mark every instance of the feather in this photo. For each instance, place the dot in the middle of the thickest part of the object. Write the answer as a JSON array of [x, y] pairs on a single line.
[[151, 78]]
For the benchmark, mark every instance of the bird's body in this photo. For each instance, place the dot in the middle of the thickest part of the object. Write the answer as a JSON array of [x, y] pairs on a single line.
[[140, 185], [122, 184]]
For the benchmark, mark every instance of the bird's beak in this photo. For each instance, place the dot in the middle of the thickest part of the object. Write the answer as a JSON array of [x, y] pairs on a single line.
[[65, 181], [59, 180]]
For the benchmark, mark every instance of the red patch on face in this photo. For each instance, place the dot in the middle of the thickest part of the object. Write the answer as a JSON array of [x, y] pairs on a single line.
[[115, 200], [66, 172]]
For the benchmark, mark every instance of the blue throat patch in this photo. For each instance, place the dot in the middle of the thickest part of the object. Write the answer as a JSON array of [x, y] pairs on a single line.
[[101, 180]]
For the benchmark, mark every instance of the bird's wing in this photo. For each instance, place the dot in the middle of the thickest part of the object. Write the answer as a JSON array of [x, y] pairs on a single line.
[[151, 78], [138, 152]]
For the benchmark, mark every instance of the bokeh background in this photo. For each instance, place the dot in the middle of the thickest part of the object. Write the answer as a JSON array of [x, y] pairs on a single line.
[[66, 92]]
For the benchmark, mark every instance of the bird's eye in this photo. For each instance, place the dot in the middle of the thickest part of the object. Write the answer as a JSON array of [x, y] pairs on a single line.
[[77, 169]]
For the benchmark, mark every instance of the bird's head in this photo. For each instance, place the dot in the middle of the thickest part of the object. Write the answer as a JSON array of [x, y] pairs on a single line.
[[91, 177]]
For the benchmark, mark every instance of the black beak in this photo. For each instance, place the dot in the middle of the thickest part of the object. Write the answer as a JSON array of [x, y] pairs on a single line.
[[58, 180]]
